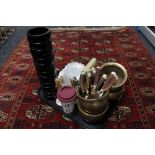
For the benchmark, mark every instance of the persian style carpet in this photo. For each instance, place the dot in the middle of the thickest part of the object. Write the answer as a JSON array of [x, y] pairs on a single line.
[[5, 33], [20, 107]]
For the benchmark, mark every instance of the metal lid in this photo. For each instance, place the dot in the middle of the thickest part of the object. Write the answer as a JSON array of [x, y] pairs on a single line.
[[66, 94]]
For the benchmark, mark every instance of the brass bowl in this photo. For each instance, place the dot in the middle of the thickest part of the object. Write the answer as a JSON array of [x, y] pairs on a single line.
[[92, 110], [115, 95], [92, 118], [121, 72]]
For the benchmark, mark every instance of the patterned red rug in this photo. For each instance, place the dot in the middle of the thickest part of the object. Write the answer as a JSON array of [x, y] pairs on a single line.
[[20, 107]]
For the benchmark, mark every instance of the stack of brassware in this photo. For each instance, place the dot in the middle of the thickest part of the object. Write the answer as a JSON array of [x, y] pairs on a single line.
[[92, 106], [43, 57]]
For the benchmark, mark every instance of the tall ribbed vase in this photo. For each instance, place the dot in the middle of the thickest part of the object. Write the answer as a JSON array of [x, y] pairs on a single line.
[[43, 58]]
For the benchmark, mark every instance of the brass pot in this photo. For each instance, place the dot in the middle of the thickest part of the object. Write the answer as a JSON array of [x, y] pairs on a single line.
[[92, 109], [92, 118], [114, 95], [121, 72]]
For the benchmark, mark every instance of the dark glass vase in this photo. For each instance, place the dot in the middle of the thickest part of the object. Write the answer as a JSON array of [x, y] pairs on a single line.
[[43, 58]]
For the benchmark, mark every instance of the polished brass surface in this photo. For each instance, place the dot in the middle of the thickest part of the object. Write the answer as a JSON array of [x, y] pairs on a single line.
[[92, 118], [114, 95], [93, 106], [93, 110], [121, 72]]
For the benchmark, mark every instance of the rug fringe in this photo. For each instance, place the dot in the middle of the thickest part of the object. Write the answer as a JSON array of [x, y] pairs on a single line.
[[81, 28]]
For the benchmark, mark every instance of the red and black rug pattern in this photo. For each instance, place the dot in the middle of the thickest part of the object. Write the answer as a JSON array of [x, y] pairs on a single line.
[[20, 107]]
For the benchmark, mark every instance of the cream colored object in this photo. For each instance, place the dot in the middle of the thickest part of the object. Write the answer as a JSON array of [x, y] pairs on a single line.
[[91, 64], [71, 70]]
